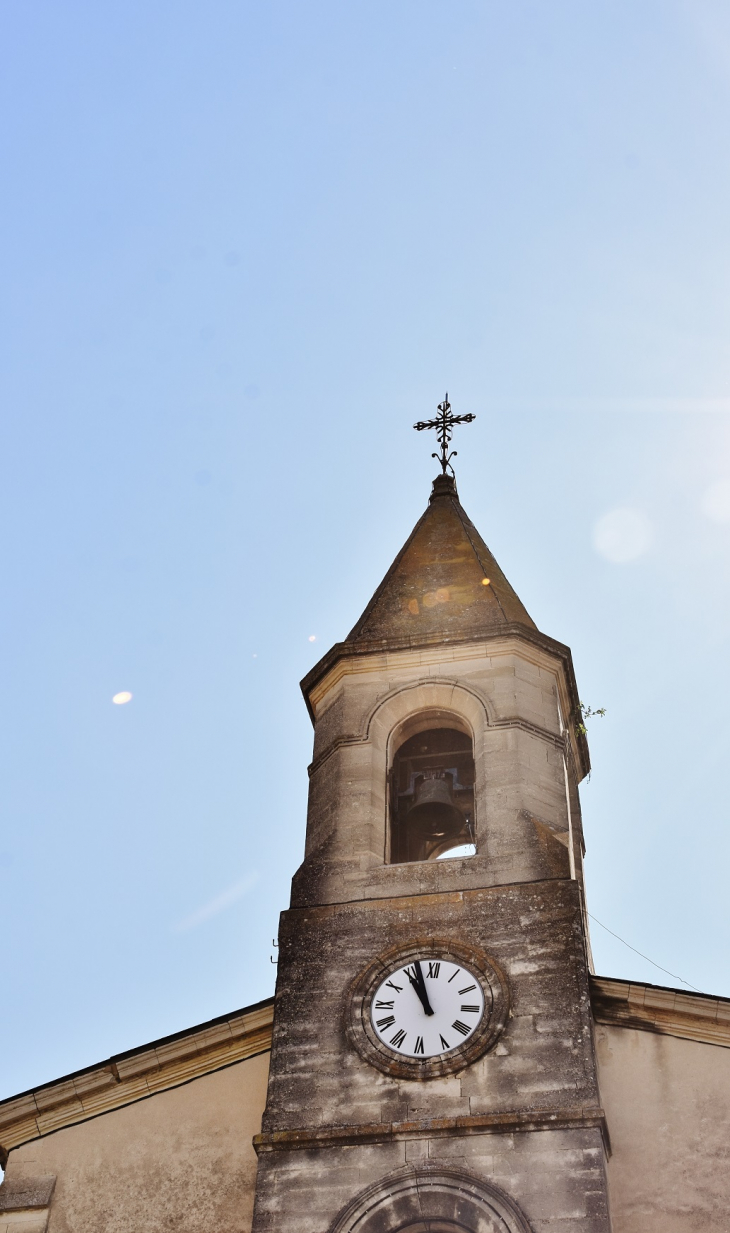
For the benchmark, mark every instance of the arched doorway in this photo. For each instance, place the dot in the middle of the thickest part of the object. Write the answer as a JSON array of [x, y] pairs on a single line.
[[431, 1199]]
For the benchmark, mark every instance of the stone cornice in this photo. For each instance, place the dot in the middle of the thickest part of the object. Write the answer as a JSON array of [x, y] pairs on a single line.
[[436, 1127], [132, 1076], [670, 1012]]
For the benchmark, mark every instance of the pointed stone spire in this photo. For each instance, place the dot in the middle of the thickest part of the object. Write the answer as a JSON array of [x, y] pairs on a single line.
[[443, 584]]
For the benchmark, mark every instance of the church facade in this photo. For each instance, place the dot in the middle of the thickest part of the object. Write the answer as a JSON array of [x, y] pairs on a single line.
[[440, 1055]]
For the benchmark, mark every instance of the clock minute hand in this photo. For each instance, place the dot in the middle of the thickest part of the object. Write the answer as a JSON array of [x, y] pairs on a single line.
[[420, 987], [420, 993]]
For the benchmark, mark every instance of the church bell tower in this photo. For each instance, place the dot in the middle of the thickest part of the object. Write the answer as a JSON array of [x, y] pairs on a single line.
[[433, 1065]]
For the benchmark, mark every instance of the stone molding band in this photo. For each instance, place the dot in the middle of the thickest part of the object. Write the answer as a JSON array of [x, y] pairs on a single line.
[[551, 738], [436, 1127]]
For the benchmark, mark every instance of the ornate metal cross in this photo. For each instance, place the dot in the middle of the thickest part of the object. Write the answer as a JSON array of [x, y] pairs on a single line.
[[443, 425]]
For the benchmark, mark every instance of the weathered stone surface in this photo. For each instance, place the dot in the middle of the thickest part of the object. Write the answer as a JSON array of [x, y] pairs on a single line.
[[19, 1193], [444, 581]]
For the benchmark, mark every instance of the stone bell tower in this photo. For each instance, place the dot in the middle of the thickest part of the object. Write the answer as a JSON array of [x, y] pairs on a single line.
[[433, 1063]]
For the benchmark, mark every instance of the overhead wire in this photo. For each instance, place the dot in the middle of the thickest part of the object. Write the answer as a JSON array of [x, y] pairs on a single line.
[[643, 956]]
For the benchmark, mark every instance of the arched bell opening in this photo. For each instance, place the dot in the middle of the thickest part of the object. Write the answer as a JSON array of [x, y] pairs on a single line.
[[432, 797]]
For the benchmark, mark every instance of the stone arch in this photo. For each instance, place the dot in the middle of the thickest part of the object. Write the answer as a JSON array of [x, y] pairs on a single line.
[[431, 1199], [390, 714]]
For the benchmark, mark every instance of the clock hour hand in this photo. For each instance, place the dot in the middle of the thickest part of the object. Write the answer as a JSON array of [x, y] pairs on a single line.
[[419, 985]]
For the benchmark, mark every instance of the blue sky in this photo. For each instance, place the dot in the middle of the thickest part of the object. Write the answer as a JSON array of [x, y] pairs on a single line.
[[246, 247]]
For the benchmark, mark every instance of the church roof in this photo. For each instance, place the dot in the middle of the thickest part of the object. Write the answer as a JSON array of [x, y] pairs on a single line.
[[135, 1075], [444, 582]]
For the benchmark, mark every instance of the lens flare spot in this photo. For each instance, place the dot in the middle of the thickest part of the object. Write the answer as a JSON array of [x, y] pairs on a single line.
[[122, 697], [623, 535], [312, 637], [485, 582], [716, 501]]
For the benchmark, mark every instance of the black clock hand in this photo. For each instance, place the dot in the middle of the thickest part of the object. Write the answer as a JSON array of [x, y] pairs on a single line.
[[419, 985], [417, 990]]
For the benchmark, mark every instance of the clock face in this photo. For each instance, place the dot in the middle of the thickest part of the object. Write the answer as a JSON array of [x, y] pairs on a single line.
[[427, 1008]]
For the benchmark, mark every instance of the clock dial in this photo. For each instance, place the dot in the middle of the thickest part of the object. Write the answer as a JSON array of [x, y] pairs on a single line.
[[427, 1008]]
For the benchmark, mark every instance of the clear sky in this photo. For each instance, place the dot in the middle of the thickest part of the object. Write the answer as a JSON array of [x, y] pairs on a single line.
[[246, 246]]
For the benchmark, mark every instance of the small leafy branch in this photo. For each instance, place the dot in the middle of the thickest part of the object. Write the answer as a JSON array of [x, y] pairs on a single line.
[[584, 713]]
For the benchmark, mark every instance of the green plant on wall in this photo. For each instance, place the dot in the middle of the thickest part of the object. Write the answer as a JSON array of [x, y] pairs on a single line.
[[586, 712]]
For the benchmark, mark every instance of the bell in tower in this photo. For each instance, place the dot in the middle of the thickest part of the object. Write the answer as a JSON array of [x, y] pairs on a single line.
[[433, 796]]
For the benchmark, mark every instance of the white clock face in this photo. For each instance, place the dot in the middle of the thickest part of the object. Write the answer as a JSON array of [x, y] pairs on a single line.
[[427, 1008]]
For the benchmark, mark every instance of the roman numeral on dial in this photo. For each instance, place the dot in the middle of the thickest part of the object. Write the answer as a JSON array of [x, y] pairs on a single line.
[[458, 1026], [398, 988], [398, 1039], [387, 1006], [419, 1045], [469, 1010], [433, 970], [385, 1023], [467, 989]]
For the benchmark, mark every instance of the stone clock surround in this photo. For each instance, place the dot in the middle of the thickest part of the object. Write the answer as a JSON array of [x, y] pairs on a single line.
[[542, 1060], [358, 1001]]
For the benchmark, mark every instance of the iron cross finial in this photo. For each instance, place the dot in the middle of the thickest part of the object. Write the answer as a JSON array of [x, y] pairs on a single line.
[[443, 424]]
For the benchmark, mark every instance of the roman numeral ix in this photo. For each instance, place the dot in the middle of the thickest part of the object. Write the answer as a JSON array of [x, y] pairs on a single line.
[[387, 1006]]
